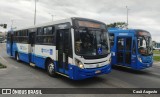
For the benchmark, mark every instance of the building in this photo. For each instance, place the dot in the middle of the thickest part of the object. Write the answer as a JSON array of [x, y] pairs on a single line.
[[2, 37], [155, 44]]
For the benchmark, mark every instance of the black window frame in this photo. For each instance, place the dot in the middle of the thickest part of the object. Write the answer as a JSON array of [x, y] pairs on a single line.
[[21, 36], [45, 39]]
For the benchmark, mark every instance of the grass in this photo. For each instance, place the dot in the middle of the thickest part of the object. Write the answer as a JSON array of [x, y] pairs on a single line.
[[156, 52], [2, 66], [156, 58]]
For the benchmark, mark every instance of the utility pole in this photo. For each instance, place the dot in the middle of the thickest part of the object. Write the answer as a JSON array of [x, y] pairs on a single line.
[[12, 23], [127, 16], [52, 16], [35, 12]]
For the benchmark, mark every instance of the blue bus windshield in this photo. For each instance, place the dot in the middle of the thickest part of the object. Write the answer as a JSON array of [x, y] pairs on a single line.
[[144, 45]]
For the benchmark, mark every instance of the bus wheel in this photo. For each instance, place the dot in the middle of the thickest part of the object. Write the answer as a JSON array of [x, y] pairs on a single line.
[[17, 56], [51, 69]]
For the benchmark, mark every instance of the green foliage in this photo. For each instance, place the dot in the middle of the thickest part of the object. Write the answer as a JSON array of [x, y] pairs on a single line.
[[156, 52], [156, 58], [117, 25], [2, 66]]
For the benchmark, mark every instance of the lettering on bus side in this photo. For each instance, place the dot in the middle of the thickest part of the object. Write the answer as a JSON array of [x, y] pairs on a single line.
[[63, 26], [23, 48], [123, 33], [49, 51]]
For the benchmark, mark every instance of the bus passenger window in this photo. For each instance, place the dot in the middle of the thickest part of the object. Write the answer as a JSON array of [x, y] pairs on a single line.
[[120, 43], [45, 35], [128, 43], [40, 31], [48, 31]]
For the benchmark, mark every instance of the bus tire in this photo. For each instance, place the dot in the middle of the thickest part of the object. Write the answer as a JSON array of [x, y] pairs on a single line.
[[17, 57], [50, 68]]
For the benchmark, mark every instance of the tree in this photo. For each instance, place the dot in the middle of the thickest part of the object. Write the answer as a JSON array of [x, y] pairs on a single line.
[[117, 25]]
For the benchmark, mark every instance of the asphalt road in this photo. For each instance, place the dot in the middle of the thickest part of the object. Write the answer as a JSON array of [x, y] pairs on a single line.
[[21, 75]]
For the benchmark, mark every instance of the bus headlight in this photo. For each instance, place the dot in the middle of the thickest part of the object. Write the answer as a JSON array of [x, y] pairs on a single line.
[[139, 58], [79, 64]]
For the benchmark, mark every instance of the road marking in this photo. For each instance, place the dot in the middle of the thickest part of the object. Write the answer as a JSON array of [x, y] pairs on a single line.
[[4, 59], [155, 74], [8, 62]]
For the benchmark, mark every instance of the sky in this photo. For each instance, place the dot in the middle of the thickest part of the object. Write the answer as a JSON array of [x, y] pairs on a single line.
[[143, 14]]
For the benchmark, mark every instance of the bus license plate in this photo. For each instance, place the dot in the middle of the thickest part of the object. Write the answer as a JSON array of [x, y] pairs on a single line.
[[98, 71]]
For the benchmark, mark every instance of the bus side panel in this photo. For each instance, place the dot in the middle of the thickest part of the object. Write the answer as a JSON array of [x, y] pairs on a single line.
[[40, 61], [42, 52], [23, 51], [113, 57], [24, 57], [114, 51], [134, 62]]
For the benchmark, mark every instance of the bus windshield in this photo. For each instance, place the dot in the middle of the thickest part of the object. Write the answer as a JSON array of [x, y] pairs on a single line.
[[145, 45], [91, 42]]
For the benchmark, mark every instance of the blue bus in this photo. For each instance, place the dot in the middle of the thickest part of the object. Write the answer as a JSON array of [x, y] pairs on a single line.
[[131, 48], [76, 48]]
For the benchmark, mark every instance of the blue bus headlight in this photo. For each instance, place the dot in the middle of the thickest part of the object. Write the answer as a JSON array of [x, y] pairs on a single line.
[[139, 58], [79, 64]]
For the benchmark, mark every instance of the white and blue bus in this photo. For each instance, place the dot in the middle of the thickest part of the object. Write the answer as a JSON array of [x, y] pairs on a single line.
[[77, 48]]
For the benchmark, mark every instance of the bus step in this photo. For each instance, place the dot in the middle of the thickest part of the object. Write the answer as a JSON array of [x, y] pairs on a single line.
[[32, 64]]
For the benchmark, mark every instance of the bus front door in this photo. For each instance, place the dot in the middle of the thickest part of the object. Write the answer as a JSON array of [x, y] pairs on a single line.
[[124, 51], [62, 47], [10, 44], [32, 43]]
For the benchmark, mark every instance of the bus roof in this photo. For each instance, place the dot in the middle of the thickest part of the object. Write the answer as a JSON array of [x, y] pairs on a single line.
[[46, 24], [118, 30], [58, 22]]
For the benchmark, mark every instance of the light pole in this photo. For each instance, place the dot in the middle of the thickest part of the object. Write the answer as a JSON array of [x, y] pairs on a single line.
[[127, 15], [52, 16], [12, 23], [12, 27], [35, 12]]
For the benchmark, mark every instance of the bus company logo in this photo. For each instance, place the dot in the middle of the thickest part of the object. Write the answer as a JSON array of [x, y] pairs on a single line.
[[49, 51], [23, 48], [6, 91], [21, 91]]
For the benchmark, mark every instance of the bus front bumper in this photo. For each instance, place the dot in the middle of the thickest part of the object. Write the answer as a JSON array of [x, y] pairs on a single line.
[[80, 74], [144, 65]]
